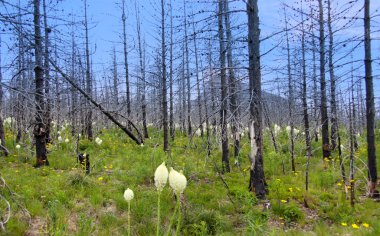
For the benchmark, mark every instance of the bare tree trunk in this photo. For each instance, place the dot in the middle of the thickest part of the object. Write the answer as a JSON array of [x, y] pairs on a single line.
[[47, 76], [127, 85], [324, 116], [164, 89], [39, 128], [232, 84], [115, 82], [213, 93], [187, 62], [88, 119], [224, 89], [171, 98], [74, 97], [183, 92], [198, 81], [334, 125], [315, 85], [304, 103], [290, 98], [352, 168], [2, 136], [370, 103], [257, 181], [142, 72]]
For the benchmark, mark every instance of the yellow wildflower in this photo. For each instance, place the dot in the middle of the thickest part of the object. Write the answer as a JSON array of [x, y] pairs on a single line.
[[355, 226], [348, 187], [365, 225], [290, 190], [352, 180], [100, 178], [343, 224], [283, 201], [339, 184], [298, 189]]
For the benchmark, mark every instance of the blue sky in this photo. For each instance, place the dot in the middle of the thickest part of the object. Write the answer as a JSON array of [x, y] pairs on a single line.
[[106, 28]]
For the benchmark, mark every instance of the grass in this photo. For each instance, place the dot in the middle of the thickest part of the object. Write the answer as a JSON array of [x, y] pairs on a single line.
[[63, 200]]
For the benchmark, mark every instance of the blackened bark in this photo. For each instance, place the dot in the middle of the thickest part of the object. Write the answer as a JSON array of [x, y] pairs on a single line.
[[224, 89], [291, 97], [187, 62], [164, 89], [142, 74], [88, 118], [324, 116], [48, 118], [198, 81], [127, 85], [232, 85], [39, 127], [370, 104], [257, 181], [334, 122], [171, 98], [2, 136]]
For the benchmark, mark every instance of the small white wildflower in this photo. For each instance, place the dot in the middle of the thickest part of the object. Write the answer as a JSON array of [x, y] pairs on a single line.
[[161, 176], [198, 132], [296, 131], [128, 195], [59, 139], [288, 129], [177, 181], [18, 146], [98, 141], [67, 140]]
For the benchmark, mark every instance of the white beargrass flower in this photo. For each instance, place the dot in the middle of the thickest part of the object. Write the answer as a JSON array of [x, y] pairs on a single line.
[[128, 195], [18, 146], [288, 129], [198, 132], [296, 131], [67, 140], [59, 139], [161, 176], [177, 181], [98, 141]]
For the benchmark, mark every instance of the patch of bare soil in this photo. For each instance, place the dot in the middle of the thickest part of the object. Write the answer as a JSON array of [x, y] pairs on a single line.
[[37, 227]]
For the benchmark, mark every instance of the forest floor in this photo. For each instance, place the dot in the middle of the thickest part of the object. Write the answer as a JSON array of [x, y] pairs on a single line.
[[62, 200]]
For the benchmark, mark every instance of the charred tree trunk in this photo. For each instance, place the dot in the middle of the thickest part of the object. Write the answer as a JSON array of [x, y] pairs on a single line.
[[370, 103], [257, 181], [198, 81], [224, 89], [232, 84], [164, 89], [187, 62], [290, 98], [171, 98], [334, 123], [88, 119], [324, 116], [142, 75], [47, 76], [2, 136], [125, 50], [39, 130]]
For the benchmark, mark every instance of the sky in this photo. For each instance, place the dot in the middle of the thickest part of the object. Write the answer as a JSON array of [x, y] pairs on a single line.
[[105, 29]]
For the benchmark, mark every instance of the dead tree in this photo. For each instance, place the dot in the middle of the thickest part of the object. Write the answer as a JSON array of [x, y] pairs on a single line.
[[224, 89], [39, 130], [257, 183], [370, 103]]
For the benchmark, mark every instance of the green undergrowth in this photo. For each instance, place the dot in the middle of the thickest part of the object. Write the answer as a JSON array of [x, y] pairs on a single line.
[[62, 200]]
